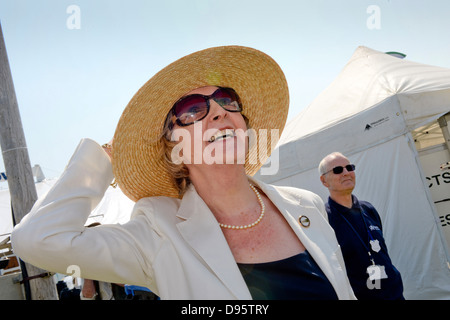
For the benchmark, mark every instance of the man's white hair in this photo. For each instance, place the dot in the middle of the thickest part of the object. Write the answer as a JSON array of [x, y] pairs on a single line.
[[323, 165]]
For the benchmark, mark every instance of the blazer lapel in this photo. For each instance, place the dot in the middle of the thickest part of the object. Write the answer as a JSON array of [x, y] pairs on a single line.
[[202, 232], [317, 239]]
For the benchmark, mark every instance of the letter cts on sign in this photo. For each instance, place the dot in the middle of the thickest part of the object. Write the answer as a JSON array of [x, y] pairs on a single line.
[[446, 177], [74, 20]]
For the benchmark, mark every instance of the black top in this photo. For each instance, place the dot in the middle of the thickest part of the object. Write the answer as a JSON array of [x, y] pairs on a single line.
[[298, 277], [353, 228]]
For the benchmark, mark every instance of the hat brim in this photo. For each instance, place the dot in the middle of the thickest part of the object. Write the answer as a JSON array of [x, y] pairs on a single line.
[[256, 77]]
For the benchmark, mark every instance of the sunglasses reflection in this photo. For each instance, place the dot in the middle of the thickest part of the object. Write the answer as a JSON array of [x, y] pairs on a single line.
[[195, 107], [340, 169]]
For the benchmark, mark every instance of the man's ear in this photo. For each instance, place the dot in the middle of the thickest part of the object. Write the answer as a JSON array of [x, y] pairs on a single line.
[[323, 180]]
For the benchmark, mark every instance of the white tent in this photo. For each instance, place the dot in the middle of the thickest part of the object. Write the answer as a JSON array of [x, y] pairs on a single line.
[[373, 112]]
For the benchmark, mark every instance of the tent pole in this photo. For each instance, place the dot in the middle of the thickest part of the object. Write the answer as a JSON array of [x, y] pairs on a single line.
[[18, 169]]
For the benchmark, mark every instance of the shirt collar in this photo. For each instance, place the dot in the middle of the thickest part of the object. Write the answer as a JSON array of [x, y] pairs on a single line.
[[334, 205]]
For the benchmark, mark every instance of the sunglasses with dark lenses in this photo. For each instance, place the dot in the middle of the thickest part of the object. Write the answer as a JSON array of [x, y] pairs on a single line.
[[340, 169], [195, 107]]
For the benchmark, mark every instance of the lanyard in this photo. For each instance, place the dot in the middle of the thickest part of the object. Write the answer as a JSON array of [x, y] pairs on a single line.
[[360, 239]]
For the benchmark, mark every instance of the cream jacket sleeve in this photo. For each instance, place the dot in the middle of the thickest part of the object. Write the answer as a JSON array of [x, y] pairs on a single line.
[[53, 237]]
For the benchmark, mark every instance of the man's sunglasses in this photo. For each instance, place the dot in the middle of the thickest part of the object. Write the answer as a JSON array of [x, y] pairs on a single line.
[[340, 169], [195, 107]]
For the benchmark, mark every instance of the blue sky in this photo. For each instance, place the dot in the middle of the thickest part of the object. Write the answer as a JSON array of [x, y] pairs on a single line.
[[73, 83]]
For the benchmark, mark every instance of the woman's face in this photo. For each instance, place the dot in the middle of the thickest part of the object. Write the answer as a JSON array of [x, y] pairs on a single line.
[[219, 138]]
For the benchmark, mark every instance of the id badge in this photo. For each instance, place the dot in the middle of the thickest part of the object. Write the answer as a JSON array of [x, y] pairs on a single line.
[[376, 272]]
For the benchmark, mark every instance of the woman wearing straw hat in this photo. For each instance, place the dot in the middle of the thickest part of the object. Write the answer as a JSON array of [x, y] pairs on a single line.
[[202, 227]]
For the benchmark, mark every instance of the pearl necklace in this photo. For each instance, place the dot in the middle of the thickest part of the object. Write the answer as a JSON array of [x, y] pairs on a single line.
[[263, 207]]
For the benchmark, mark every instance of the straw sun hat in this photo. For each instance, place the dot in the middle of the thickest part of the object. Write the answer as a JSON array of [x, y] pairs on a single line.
[[258, 80]]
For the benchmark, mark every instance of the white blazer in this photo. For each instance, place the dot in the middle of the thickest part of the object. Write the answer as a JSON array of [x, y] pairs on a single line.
[[174, 247]]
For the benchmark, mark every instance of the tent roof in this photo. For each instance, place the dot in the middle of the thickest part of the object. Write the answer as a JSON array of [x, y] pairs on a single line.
[[369, 78]]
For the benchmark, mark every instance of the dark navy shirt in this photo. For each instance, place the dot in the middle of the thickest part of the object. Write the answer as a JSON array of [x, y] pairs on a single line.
[[298, 277], [363, 218]]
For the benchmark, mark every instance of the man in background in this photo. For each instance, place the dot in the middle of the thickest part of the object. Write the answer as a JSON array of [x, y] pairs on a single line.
[[358, 229]]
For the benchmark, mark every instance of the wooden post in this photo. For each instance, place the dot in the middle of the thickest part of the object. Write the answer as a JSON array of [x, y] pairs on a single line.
[[18, 168]]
